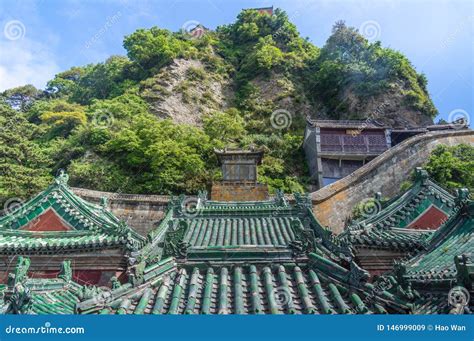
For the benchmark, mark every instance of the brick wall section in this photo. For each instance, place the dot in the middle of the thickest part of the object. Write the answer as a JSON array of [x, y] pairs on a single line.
[[141, 212], [333, 204], [239, 192]]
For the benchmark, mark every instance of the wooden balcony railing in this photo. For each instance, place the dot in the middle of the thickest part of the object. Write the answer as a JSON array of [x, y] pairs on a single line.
[[360, 144]]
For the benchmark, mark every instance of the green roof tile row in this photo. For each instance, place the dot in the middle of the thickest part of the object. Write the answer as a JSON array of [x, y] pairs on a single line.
[[262, 231], [244, 289], [454, 238]]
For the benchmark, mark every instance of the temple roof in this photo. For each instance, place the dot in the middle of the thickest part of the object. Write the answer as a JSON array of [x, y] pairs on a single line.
[[58, 218], [313, 287], [198, 228], [405, 222], [265, 257], [449, 250]]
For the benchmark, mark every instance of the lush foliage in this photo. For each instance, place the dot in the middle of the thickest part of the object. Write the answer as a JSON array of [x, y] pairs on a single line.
[[25, 164], [349, 61], [96, 122], [452, 167]]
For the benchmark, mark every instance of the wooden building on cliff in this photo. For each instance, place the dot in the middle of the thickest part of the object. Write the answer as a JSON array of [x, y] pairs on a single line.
[[334, 149]]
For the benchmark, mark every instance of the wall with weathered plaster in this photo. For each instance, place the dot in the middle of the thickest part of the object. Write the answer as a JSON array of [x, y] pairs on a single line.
[[239, 192], [333, 204], [141, 212]]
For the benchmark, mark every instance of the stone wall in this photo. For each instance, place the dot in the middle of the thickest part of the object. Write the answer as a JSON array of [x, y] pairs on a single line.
[[221, 192], [142, 212], [333, 204]]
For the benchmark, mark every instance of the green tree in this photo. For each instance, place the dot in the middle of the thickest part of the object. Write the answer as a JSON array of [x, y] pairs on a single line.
[[103, 80], [155, 47], [349, 61], [60, 117], [224, 127], [21, 97], [452, 166], [24, 164]]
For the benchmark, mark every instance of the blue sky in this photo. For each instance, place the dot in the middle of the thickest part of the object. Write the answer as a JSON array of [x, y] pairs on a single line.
[[39, 38]]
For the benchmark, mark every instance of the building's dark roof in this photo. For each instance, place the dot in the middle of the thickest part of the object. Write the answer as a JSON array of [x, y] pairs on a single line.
[[268, 10], [257, 154], [347, 124]]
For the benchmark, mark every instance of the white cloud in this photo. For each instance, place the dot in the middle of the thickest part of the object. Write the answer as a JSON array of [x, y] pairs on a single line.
[[25, 61]]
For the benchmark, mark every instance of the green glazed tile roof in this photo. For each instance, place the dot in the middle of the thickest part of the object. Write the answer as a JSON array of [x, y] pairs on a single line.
[[454, 238], [279, 288], [406, 208], [92, 225], [266, 257], [59, 301], [266, 229], [393, 239], [45, 242], [49, 296], [387, 227], [269, 231]]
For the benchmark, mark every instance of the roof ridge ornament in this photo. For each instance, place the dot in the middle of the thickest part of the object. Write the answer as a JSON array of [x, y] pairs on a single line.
[[21, 271], [280, 199], [462, 196], [303, 200], [66, 271], [202, 197], [104, 202], [421, 175], [62, 178]]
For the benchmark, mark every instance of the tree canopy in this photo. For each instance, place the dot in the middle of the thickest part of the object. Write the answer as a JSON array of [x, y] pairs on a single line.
[[96, 120]]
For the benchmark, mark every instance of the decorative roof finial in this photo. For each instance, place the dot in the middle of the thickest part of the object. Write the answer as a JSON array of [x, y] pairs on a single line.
[[62, 178], [462, 196], [104, 202], [421, 174]]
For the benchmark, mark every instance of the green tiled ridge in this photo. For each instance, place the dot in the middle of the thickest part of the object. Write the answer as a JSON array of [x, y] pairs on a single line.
[[43, 243], [454, 238], [285, 288], [404, 209], [97, 225], [394, 238]]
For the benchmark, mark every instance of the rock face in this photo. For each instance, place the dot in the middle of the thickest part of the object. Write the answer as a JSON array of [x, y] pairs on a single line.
[[389, 108], [282, 93], [185, 90]]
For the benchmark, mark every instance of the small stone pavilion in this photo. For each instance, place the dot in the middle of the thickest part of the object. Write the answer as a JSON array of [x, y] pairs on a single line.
[[239, 176]]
